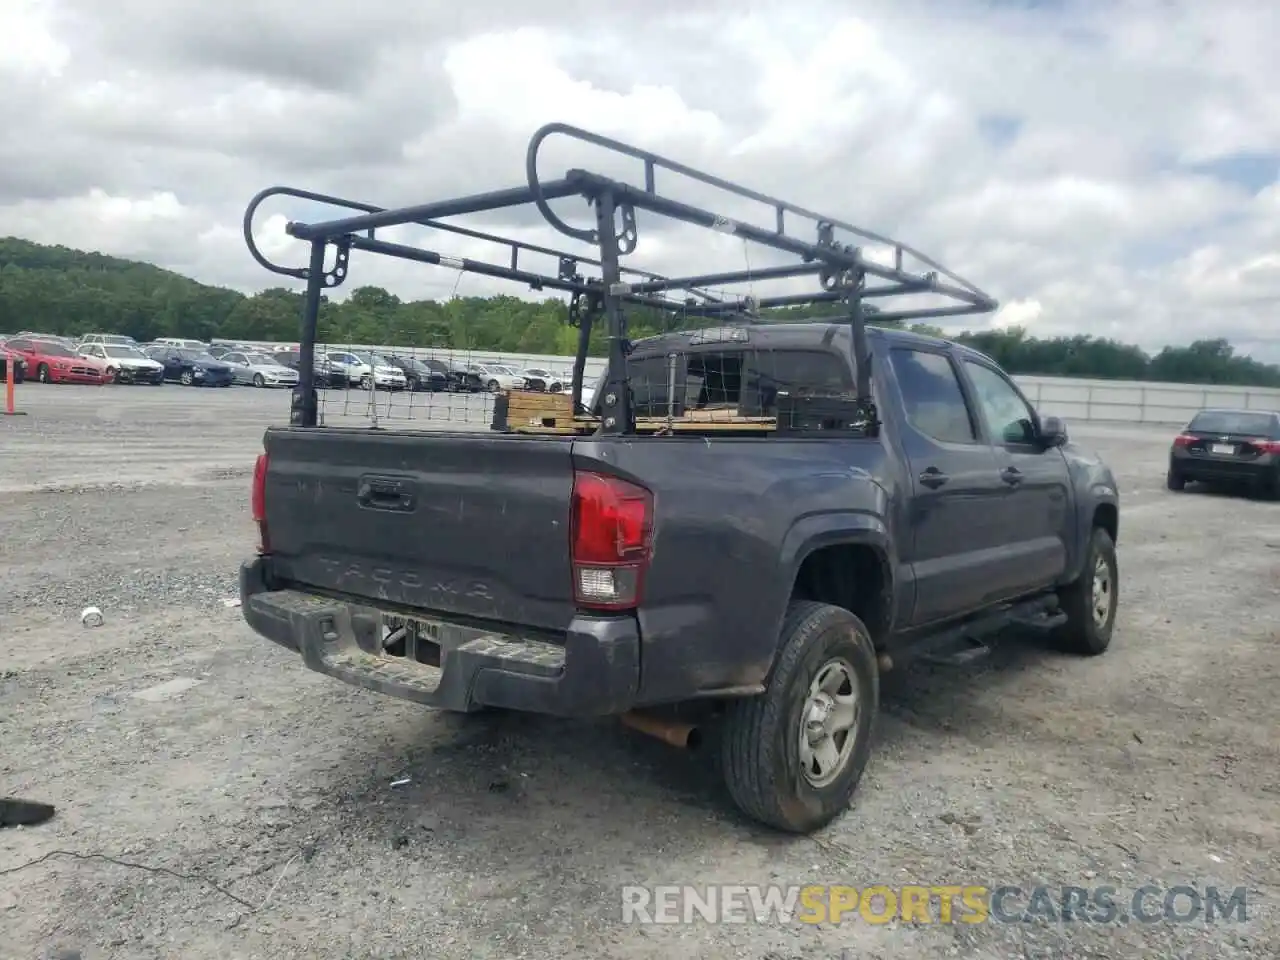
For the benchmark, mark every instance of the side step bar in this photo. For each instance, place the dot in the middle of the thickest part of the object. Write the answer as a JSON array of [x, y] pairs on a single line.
[[966, 642]]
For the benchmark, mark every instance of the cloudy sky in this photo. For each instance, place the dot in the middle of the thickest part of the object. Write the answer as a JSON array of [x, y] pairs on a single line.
[[1100, 167]]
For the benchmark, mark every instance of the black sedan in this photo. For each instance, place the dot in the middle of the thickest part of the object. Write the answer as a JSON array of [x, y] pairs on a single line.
[[191, 368], [423, 373], [1229, 447]]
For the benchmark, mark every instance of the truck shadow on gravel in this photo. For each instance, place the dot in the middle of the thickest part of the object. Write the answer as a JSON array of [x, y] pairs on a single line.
[[505, 779]]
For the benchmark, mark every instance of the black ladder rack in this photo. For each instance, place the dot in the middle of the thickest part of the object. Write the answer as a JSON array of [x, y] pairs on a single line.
[[831, 252]]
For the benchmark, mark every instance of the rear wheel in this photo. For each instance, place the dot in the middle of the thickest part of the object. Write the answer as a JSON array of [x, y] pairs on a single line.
[[793, 755], [1174, 480], [1091, 602]]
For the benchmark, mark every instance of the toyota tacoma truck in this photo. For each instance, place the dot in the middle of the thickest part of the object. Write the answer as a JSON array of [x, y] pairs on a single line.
[[738, 532], [773, 577]]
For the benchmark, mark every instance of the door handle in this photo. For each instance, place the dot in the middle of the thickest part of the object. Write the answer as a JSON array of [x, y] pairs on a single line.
[[1011, 475], [385, 493], [933, 478]]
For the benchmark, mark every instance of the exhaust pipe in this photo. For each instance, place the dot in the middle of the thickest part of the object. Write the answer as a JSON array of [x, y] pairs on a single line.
[[686, 736]]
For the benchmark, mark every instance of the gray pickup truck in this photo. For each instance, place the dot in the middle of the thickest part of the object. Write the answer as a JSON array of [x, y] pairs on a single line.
[[773, 577], [869, 494]]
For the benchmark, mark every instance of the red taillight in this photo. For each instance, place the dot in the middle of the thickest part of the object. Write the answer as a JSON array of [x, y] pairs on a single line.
[[1184, 440], [1266, 446], [258, 502], [611, 534]]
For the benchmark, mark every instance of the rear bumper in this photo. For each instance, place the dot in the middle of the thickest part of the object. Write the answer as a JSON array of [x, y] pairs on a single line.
[[595, 672], [1259, 469]]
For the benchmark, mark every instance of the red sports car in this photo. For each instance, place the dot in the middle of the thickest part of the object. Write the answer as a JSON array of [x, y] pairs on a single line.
[[51, 362]]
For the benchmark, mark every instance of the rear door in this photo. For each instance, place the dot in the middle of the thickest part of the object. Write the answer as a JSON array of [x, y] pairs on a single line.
[[1038, 524], [471, 525], [953, 517]]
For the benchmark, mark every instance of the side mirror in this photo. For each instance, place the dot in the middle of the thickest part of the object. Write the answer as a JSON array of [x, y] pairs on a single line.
[[1053, 432]]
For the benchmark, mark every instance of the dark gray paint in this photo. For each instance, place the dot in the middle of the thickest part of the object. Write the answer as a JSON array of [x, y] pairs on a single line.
[[475, 528]]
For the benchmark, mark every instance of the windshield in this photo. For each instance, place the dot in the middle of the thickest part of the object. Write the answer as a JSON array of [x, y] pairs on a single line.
[[501, 369], [197, 355], [1234, 421], [54, 349], [261, 359], [124, 353]]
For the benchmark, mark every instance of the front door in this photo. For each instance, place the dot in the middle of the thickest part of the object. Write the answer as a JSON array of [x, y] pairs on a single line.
[[1038, 520]]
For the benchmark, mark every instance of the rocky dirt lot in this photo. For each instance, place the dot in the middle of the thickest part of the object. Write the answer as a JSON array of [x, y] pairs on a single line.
[[216, 800]]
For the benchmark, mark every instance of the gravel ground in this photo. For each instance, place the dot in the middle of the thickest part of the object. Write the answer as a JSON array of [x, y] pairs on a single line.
[[216, 800]]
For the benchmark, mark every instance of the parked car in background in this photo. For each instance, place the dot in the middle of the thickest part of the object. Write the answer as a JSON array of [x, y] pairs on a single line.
[[380, 373], [497, 377], [421, 373], [125, 364], [104, 338], [50, 361], [1230, 447], [346, 365], [326, 374], [465, 379], [191, 368], [539, 378], [259, 369], [182, 343], [10, 358]]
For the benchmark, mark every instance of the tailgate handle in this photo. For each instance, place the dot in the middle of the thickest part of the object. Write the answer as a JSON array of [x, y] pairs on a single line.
[[385, 493]]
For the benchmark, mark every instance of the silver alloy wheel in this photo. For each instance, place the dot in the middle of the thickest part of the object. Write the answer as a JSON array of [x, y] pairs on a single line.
[[1103, 595], [829, 722]]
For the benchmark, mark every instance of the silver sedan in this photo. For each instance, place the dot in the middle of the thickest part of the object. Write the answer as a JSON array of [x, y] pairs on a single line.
[[259, 370]]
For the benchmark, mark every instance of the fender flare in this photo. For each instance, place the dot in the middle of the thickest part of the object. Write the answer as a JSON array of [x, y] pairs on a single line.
[[843, 527]]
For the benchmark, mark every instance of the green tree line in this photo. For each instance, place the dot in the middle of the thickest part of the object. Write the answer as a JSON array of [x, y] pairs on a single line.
[[54, 289]]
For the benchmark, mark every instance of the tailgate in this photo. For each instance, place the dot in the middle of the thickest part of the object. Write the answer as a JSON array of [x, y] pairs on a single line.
[[473, 525]]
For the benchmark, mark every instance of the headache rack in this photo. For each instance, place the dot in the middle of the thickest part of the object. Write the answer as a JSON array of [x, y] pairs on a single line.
[[827, 251]]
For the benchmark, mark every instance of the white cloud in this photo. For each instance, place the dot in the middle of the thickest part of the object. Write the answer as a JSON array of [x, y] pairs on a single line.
[[1046, 153], [28, 47]]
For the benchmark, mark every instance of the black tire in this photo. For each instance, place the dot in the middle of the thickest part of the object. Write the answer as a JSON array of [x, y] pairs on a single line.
[[259, 381], [113, 375], [187, 378], [366, 383], [760, 749], [1174, 480], [1085, 633], [42, 374], [494, 386], [1269, 486]]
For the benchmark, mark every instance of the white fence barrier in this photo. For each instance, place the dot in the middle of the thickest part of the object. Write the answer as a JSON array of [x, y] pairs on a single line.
[[1096, 401], [1128, 401]]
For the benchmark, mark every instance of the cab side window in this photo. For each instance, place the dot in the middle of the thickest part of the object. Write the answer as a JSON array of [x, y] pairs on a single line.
[[931, 393], [1008, 417]]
